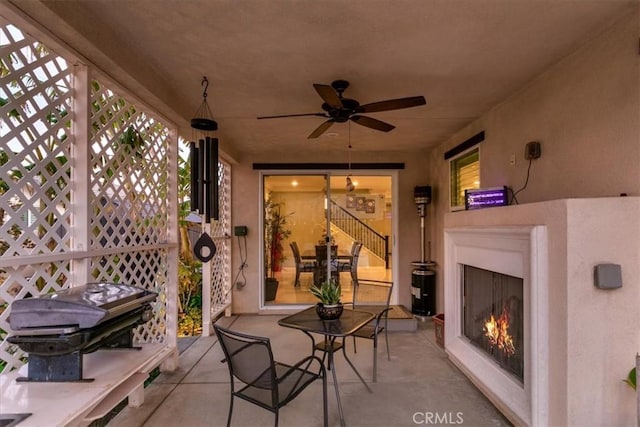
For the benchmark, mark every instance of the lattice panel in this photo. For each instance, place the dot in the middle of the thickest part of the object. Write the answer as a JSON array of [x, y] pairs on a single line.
[[35, 139], [18, 283], [128, 183], [129, 173], [145, 269], [220, 271]]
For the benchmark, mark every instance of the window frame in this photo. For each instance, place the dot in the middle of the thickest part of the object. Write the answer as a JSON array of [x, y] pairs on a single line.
[[466, 153]]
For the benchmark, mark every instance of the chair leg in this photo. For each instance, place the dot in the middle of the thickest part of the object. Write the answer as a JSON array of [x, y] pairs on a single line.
[[296, 283], [276, 424], [355, 350], [375, 358], [324, 400], [386, 338], [230, 411]]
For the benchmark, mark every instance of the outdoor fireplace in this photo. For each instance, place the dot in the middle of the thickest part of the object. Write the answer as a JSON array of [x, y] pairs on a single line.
[[494, 294], [493, 317], [553, 247]]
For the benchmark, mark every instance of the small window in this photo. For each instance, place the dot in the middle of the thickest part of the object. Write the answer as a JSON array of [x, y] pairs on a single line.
[[465, 174]]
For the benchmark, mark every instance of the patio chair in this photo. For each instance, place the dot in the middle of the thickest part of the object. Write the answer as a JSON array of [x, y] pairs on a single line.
[[301, 265], [351, 266], [266, 383], [373, 296]]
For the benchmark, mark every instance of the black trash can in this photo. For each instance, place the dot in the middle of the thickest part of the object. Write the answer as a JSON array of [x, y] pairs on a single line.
[[423, 292]]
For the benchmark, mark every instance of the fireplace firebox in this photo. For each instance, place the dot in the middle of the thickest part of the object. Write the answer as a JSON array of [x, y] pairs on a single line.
[[493, 317]]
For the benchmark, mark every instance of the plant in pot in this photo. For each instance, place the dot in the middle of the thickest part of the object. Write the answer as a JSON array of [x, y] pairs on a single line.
[[329, 307], [275, 232]]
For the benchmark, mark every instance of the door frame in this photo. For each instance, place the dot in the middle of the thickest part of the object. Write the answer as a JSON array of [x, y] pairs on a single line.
[[394, 241]]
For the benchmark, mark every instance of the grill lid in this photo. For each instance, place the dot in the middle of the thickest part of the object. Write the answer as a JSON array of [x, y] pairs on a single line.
[[85, 306]]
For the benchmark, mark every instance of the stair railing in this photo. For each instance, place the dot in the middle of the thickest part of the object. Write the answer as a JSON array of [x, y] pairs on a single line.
[[373, 241]]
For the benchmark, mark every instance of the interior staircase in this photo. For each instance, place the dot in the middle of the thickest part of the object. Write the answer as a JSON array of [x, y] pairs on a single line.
[[352, 226]]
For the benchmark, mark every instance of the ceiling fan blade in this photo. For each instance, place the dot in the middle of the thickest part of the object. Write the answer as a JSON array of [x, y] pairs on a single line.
[[321, 129], [372, 123], [392, 104], [328, 95], [293, 115]]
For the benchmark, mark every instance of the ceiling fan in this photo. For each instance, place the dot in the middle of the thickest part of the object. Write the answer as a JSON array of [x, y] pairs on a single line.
[[338, 109]]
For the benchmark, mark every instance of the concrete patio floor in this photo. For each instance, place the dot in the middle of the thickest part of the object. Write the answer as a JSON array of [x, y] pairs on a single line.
[[418, 386]]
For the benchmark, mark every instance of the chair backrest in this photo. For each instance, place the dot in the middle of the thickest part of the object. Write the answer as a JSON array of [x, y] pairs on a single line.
[[354, 247], [321, 252], [355, 254], [372, 292], [296, 252], [249, 358]]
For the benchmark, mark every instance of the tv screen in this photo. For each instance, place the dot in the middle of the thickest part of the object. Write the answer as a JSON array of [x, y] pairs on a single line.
[[485, 198]]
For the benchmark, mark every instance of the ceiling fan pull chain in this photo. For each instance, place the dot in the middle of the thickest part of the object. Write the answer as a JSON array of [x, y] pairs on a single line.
[[349, 126]]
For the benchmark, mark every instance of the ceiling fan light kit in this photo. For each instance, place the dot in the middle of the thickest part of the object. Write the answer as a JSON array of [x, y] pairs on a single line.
[[338, 109]]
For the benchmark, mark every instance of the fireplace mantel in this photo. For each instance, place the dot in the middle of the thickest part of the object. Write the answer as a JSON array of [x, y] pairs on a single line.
[[554, 246]]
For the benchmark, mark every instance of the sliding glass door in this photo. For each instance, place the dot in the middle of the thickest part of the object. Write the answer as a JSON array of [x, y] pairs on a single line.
[[311, 225]]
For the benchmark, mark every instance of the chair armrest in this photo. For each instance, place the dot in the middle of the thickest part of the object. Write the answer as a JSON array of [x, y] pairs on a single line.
[[297, 367]]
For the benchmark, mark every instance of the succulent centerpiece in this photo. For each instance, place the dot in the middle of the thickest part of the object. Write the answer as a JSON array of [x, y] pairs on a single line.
[[330, 307]]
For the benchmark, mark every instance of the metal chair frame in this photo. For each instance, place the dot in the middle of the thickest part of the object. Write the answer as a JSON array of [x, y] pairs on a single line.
[[381, 309], [267, 383]]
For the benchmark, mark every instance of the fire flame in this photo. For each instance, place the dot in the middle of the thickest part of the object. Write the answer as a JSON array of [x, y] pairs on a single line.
[[497, 330]]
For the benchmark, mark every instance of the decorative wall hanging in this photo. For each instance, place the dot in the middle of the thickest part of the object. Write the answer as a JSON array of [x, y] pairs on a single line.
[[370, 206]]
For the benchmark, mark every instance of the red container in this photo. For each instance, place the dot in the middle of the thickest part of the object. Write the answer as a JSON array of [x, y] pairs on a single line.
[[438, 323]]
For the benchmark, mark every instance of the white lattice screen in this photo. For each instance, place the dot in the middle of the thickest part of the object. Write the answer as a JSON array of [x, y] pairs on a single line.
[[220, 230], [128, 188]]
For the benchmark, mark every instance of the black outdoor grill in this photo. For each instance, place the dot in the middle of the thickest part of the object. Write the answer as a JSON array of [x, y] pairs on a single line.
[[58, 329]]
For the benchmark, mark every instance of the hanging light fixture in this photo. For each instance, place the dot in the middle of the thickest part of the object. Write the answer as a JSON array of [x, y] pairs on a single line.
[[204, 161], [350, 187]]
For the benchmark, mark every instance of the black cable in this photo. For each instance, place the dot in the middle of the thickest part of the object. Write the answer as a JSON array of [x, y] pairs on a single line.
[[526, 182], [243, 264]]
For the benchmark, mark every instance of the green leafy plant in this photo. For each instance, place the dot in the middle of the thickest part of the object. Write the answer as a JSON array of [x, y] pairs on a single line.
[[328, 293], [276, 230], [632, 379]]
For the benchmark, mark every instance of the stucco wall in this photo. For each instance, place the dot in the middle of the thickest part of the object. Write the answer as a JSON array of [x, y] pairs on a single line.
[[584, 111], [593, 334], [246, 201]]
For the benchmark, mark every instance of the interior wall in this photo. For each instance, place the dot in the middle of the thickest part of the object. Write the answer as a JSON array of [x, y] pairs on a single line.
[[584, 112], [246, 199]]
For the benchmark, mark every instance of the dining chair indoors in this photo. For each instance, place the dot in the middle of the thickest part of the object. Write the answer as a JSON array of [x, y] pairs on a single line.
[[265, 382], [373, 296], [301, 265], [351, 266]]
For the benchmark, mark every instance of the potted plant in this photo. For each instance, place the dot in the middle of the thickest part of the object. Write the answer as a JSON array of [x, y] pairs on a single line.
[[275, 232], [329, 293]]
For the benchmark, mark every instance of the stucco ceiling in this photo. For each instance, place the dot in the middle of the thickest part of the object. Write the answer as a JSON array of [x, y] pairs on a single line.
[[262, 58]]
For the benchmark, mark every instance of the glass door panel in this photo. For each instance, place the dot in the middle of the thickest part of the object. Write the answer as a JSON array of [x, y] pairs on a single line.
[[303, 216], [294, 224]]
